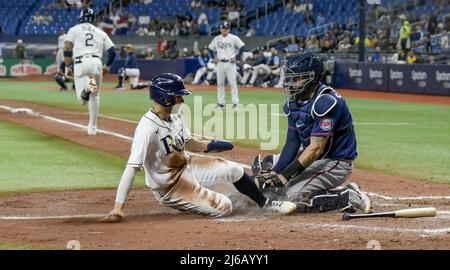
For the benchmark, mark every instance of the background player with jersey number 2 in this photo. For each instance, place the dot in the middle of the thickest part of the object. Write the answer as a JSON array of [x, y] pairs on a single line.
[[320, 146], [84, 46], [179, 180], [227, 47]]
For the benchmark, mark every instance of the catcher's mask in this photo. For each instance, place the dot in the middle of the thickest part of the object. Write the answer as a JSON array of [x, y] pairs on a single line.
[[302, 74]]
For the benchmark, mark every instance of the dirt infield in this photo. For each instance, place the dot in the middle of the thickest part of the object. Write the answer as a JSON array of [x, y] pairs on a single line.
[[51, 219]]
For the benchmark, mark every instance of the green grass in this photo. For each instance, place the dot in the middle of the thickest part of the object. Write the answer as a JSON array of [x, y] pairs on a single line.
[[32, 161], [398, 138], [5, 246]]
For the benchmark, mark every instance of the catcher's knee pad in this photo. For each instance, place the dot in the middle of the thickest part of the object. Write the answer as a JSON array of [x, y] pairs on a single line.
[[324, 202]]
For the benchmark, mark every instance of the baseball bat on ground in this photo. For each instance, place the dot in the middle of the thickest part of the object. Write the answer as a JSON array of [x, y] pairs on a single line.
[[404, 213]]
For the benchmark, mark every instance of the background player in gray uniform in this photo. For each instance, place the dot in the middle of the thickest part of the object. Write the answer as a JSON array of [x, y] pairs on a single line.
[[227, 48], [177, 178], [320, 145], [84, 47]]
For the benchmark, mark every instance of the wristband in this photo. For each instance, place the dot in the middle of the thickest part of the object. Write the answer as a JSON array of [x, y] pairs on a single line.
[[292, 170]]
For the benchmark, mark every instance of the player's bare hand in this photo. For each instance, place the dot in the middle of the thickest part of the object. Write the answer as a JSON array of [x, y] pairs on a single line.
[[115, 216], [233, 60], [105, 69], [215, 61]]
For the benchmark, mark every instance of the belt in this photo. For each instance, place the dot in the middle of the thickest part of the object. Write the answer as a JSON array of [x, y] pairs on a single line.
[[78, 58], [224, 60]]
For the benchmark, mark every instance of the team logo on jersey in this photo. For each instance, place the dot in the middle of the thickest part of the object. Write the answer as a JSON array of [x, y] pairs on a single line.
[[326, 124], [171, 144]]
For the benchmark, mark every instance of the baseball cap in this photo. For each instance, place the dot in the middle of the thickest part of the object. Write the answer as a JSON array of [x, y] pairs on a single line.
[[225, 24]]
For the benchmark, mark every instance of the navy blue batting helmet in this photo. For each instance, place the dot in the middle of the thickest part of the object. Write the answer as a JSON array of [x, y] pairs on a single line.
[[165, 87], [87, 15], [302, 74]]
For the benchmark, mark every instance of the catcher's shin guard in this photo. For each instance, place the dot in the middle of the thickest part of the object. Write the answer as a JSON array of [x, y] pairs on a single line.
[[60, 80], [325, 202]]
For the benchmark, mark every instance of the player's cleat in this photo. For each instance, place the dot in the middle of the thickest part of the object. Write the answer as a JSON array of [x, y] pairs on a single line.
[[220, 106], [359, 200], [237, 106], [119, 87], [282, 207], [91, 131], [63, 89], [92, 85], [205, 82]]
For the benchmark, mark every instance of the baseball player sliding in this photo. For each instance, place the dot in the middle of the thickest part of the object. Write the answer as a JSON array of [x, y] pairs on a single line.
[[130, 71], [227, 46], [320, 145], [84, 46], [176, 178]]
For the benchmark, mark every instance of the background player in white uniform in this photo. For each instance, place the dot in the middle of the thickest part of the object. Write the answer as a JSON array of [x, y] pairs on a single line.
[[177, 179], [60, 52], [206, 66], [227, 47], [84, 45], [130, 71]]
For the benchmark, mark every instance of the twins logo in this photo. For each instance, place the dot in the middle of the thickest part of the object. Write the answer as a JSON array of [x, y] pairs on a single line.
[[326, 124]]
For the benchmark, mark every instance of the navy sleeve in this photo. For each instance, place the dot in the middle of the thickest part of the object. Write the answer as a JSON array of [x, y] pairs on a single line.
[[239, 54], [201, 62], [290, 150], [111, 56]]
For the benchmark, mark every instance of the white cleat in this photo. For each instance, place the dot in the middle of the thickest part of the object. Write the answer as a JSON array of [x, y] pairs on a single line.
[[282, 207], [92, 131], [92, 85], [359, 200]]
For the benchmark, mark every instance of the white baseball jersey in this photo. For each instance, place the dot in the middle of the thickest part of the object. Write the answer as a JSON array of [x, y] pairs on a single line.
[[226, 47], [61, 40], [88, 40], [158, 147]]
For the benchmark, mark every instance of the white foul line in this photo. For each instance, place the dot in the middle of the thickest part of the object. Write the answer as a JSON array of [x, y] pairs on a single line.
[[50, 217], [389, 198], [101, 131]]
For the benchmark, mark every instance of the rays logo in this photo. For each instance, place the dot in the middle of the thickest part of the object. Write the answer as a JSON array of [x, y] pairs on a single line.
[[326, 124], [170, 144]]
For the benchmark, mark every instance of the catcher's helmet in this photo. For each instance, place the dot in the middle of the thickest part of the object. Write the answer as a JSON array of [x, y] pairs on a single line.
[[164, 88], [87, 15], [302, 74]]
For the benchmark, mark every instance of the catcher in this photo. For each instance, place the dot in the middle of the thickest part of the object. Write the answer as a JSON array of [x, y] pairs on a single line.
[[176, 178], [61, 79], [320, 145]]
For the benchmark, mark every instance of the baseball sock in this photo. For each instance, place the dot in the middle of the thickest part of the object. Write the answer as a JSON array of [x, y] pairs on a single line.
[[246, 186]]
